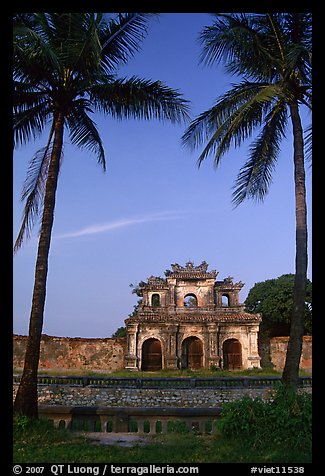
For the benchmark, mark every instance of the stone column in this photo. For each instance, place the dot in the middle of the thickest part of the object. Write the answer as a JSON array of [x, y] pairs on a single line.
[[132, 338], [213, 357], [180, 335], [169, 336], [222, 332], [206, 348], [253, 357], [210, 294], [171, 293], [131, 357]]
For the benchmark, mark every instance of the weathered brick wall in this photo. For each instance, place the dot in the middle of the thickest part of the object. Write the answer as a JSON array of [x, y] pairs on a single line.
[[64, 353], [278, 349], [106, 355], [273, 352]]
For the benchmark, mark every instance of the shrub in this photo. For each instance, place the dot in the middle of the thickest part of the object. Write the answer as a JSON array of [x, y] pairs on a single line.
[[21, 422], [36, 430], [242, 418], [177, 426], [286, 420], [290, 418]]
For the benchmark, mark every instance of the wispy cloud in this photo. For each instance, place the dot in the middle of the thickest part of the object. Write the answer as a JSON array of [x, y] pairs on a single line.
[[121, 223]]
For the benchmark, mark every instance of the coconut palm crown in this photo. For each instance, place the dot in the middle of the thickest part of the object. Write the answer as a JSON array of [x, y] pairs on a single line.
[[271, 53], [64, 69]]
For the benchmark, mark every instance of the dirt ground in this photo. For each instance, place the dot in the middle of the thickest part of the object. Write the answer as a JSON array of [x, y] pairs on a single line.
[[120, 439]]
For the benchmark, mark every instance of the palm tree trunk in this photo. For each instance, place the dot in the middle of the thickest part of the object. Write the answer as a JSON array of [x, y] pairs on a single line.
[[26, 398], [290, 374]]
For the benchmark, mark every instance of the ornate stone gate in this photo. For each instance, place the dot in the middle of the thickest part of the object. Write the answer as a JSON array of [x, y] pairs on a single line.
[[190, 320]]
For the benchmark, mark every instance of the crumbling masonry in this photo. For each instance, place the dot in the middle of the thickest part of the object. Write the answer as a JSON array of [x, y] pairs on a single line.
[[190, 320]]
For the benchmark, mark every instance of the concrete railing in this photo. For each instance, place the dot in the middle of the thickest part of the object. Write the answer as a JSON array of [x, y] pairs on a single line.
[[140, 420]]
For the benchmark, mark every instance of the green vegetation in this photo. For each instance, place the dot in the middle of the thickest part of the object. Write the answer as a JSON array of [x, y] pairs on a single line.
[[59, 446], [191, 373], [213, 372], [274, 299], [249, 431], [285, 420], [264, 372], [120, 332]]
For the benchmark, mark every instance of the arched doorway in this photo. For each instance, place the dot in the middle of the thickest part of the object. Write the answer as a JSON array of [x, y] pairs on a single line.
[[192, 353], [232, 358], [151, 355]]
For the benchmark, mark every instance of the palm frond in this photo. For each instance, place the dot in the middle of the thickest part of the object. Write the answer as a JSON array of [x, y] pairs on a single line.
[[121, 37], [34, 58], [88, 60], [308, 142], [34, 190], [30, 122], [74, 37], [140, 99], [220, 41], [255, 176], [83, 131], [298, 27], [231, 120], [235, 40]]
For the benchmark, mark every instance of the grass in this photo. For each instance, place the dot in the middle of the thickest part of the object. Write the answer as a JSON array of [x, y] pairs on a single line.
[[263, 372], [38, 442]]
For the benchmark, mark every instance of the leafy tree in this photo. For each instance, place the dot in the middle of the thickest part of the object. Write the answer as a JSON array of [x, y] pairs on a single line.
[[137, 288], [190, 301], [274, 299], [120, 332], [64, 71], [272, 53]]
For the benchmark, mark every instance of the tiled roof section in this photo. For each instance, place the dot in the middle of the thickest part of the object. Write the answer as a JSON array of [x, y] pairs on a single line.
[[156, 316]]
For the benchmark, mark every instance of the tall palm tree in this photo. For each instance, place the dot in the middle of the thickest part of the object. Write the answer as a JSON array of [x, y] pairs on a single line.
[[271, 52], [64, 70]]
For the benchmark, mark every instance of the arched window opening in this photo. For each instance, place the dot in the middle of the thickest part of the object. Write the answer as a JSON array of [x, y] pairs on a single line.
[[190, 300], [225, 300], [155, 300], [192, 353], [232, 355], [151, 355]]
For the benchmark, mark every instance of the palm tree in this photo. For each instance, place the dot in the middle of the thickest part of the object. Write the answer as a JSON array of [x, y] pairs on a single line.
[[272, 54], [64, 70]]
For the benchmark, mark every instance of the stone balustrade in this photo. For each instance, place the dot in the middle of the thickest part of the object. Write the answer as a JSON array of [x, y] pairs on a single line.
[[141, 420]]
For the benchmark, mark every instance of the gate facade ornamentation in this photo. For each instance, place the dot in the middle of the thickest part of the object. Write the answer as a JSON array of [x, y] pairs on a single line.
[[190, 320]]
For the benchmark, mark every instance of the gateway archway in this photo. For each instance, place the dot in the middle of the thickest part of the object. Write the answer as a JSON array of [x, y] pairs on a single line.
[[232, 355], [192, 353], [151, 355], [191, 313]]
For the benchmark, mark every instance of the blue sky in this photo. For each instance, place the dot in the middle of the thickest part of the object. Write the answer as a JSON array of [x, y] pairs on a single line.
[[153, 206]]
